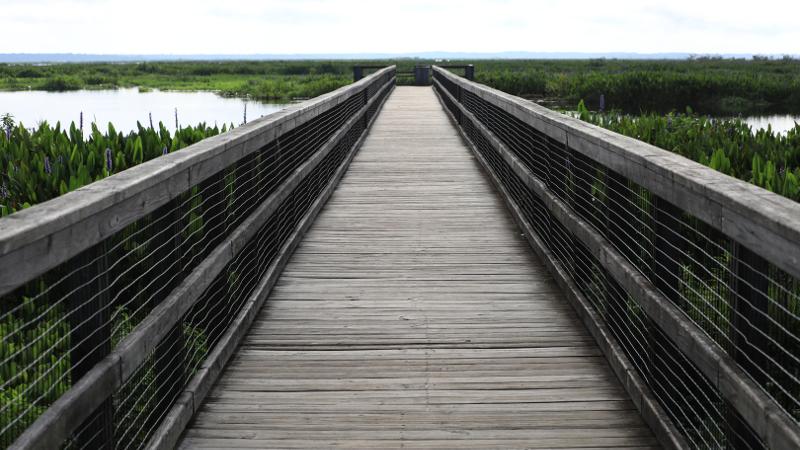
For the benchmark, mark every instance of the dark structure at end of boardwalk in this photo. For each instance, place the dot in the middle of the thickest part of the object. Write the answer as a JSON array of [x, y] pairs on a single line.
[[190, 301]]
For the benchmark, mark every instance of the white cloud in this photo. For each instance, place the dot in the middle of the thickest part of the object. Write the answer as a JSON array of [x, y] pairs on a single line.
[[350, 26]]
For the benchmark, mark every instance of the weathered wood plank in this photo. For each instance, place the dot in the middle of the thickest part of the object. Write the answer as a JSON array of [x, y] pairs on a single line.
[[413, 314]]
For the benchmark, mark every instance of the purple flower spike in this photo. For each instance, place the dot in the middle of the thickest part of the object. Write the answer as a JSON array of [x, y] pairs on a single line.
[[602, 102], [176, 119], [109, 163], [4, 191], [164, 150], [81, 122], [47, 168], [8, 133], [151, 121]]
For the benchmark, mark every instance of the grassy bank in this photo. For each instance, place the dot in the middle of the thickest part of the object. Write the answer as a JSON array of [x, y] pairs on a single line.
[[258, 79], [709, 86]]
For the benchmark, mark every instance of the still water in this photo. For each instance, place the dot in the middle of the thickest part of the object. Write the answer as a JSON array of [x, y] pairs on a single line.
[[779, 123], [123, 107]]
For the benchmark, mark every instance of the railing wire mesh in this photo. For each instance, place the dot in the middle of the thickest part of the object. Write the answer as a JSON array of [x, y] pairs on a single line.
[[748, 306], [55, 328]]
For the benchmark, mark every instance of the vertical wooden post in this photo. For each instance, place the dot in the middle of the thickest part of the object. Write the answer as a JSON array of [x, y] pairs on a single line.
[[666, 267], [560, 165], [213, 192], [460, 99], [422, 75], [666, 274], [581, 193], [750, 322], [245, 189], [214, 220], [469, 72], [90, 339], [616, 216], [168, 355], [615, 232], [574, 190]]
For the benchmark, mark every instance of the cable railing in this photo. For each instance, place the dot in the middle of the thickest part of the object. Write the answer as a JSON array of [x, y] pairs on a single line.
[[121, 302], [689, 279]]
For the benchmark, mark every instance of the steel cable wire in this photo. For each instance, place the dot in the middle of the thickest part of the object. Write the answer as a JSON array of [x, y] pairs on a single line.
[[696, 265], [117, 283]]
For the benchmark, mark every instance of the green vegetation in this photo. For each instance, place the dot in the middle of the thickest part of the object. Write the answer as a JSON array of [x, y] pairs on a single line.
[[36, 357], [761, 157], [36, 330], [707, 260], [258, 79], [38, 165], [708, 85]]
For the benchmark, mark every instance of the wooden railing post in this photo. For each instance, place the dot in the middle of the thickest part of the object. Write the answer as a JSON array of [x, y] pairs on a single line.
[[244, 189], [749, 328], [469, 72], [666, 268], [168, 357], [213, 196], [615, 231], [666, 274], [422, 75], [214, 220], [581, 194], [90, 340], [750, 312]]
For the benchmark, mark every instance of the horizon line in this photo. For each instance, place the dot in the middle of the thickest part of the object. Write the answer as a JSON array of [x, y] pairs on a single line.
[[508, 54]]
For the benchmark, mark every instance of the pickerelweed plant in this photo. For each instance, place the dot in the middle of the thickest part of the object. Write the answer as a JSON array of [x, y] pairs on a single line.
[[39, 164], [36, 329], [761, 157]]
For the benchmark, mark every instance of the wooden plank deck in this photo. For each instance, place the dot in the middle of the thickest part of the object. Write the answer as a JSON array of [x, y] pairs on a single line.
[[414, 315]]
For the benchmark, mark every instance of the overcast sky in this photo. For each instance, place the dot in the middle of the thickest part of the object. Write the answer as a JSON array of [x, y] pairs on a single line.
[[355, 26]]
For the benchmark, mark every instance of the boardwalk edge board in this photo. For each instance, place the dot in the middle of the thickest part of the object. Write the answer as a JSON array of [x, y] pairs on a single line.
[[68, 412], [760, 411], [169, 433], [653, 414]]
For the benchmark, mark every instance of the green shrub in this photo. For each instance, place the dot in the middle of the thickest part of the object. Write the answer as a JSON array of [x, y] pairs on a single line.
[[763, 157], [61, 83]]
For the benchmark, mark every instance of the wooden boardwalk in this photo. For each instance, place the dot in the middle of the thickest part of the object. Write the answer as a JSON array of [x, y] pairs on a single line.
[[414, 315]]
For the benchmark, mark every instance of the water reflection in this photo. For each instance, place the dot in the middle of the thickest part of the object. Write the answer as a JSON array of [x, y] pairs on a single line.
[[780, 123], [123, 107]]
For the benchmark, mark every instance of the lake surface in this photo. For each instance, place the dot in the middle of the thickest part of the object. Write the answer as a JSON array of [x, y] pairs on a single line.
[[780, 123], [123, 107]]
